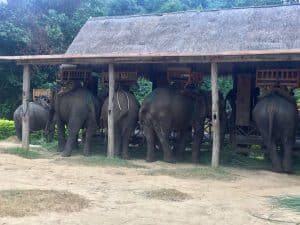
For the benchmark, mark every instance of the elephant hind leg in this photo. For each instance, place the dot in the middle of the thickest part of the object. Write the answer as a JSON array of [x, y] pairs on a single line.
[[125, 141], [163, 137], [180, 147], [150, 138], [73, 127], [287, 157], [88, 134], [118, 140], [275, 157], [197, 140], [61, 135]]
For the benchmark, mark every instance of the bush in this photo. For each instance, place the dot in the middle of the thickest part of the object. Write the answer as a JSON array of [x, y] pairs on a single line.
[[7, 128]]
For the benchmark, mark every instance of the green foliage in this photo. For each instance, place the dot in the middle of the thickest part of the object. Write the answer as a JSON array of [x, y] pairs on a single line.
[[144, 88], [297, 95], [288, 202], [49, 26], [173, 6], [225, 84], [7, 128], [123, 7]]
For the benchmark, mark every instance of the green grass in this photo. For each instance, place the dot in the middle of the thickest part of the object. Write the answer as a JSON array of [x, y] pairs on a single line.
[[198, 172], [100, 160], [28, 154], [287, 202]]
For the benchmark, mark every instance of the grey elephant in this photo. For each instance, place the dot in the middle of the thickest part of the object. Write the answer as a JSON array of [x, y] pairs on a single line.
[[126, 109], [275, 115], [76, 108], [39, 112], [166, 110]]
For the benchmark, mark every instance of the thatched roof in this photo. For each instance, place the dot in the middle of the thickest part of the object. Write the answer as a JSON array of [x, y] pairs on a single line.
[[208, 32]]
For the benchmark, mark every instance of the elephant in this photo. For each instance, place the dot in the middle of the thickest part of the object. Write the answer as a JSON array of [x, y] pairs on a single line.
[[39, 112], [166, 110], [275, 116], [126, 109], [77, 108]]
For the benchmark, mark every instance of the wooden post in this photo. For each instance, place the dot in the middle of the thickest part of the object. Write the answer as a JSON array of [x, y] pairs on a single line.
[[25, 112], [111, 132], [215, 115]]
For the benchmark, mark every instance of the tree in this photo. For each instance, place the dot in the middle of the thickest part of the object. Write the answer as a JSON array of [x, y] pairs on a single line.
[[49, 26], [123, 7], [173, 6]]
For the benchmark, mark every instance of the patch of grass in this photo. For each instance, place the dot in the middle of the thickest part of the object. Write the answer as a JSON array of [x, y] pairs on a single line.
[[247, 162], [49, 146], [20, 203], [28, 154], [167, 195], [200, 172], [229, 158], [99, 160], [288, 202]]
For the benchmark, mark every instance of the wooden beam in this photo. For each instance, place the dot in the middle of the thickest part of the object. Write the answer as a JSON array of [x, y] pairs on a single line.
[[162, 57], [215, 115], [159, 59], [25, 105], [111, 132]]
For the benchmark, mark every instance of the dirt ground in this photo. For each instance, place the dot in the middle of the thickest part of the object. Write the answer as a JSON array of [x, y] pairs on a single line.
[[116, 194]]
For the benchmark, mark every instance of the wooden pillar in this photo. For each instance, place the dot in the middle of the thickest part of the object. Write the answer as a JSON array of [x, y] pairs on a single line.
[[25, 105], [215, 115], [111, 136]]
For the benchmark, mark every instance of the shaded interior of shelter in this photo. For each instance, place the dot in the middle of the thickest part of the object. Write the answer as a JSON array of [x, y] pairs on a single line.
[[153, 70], [244, 125]]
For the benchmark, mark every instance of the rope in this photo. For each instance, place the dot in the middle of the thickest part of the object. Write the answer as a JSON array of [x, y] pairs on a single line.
[[118, 101]]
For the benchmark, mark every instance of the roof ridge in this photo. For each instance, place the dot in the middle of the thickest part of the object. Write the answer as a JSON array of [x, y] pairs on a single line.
[[190, 11]]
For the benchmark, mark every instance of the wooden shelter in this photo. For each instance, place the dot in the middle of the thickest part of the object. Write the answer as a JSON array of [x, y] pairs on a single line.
[[233, 41]]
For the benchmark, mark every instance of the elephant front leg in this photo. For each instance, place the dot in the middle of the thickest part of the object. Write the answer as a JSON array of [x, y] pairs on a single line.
[[150, 138], [49, 132], [19, 132]]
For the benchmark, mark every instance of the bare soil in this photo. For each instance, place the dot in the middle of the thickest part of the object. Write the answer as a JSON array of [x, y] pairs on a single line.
[[139, 196]]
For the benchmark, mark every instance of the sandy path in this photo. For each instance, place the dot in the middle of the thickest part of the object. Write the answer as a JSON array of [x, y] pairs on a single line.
[[116, 197]]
